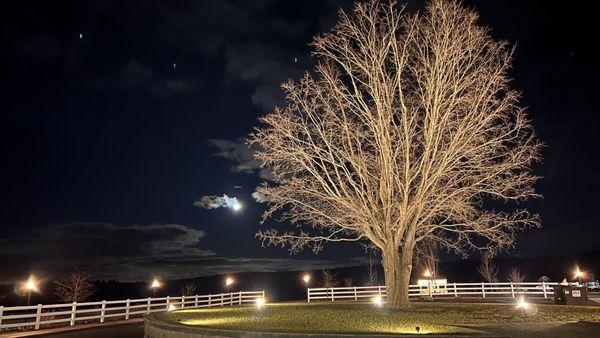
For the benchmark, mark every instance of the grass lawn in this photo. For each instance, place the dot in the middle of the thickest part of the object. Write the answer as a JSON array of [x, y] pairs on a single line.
[[433, 318]]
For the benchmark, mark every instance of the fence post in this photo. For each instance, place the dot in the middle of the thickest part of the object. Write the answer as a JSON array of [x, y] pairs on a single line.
[[379, 290], [332, 295], [102, 311], [483, 289], [38, 316], [196, 301], [73, 312], [308, 295], [263, 294], [512, 290], [544, 288], [209, 300], [240, 297], [148, 305], [182, 302], [222, 298], [455, 291], [1, 312], [127, 309], [168, 302], [355, 294]]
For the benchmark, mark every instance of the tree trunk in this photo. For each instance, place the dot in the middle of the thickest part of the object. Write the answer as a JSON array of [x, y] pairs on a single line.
[[397, 268]]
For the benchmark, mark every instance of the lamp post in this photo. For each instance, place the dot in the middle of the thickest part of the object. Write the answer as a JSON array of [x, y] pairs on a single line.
[[29, 286], [155, 285], [578, 275], [306, 279]]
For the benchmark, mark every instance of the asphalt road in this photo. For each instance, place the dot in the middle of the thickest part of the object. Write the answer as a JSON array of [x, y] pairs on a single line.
[[135, 330]]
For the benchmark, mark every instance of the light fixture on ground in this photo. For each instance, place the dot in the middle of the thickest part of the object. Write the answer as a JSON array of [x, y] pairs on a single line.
[[260, 302], [522, 304], [377, 300]]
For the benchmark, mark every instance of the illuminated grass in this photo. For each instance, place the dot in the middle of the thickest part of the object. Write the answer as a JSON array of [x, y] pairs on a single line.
[[436, 318]]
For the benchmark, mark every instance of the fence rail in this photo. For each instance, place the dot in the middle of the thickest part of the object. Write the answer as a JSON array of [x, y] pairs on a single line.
[[36, 316], [501, 289]]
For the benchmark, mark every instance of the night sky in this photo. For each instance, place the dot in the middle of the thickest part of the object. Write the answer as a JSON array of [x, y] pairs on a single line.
[[109, 137]]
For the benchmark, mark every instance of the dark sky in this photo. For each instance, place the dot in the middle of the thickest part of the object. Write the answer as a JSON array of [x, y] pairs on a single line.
[[107, 140]]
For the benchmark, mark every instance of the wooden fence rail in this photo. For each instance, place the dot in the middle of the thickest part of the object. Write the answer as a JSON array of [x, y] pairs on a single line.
[[36, 316], [500, 289]]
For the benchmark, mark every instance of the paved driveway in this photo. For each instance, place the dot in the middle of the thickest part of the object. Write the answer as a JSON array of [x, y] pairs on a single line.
[[118, 331]]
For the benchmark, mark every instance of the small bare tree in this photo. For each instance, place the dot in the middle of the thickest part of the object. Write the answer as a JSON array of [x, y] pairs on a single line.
[[515, 275], [544, 279], [189, 288], [329, 279], [488, 269], [348, 282], [405, 131], [76, 288]]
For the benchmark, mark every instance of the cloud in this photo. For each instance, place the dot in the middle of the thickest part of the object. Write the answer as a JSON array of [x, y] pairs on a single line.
[[242, 156], [259, 197], [136, 75], [129, 253], [214, 202], [97, 247]]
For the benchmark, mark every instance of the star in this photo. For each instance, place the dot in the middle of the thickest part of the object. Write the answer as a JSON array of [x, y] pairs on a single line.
[[81, 35]]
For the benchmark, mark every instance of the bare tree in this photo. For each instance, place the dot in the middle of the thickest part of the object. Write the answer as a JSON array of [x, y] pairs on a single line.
[[329, 279], [404, 132], [488, 269], [189, 288], [76, 288], [515, 275], [427, 258], [348, 282]]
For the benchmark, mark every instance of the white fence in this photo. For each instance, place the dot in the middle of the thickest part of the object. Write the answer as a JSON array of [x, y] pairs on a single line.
[[501, 289], [36, 316]]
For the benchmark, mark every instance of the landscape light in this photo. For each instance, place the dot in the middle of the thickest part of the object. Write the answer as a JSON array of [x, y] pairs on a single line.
[[522, 304], [171, 308], [260, 302], [377, 300], [306, 278], [229, 281], [427, 273]]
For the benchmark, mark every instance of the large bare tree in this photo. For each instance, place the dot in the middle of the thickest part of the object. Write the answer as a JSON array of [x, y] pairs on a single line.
[[406, 130]]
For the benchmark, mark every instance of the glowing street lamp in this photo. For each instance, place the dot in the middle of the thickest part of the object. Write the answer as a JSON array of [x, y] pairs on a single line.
[[155, 285], [30, 285], [229, 282], [306, 279]]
